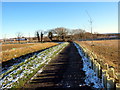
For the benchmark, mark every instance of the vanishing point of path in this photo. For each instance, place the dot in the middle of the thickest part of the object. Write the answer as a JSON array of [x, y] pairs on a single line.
[[64, 71]]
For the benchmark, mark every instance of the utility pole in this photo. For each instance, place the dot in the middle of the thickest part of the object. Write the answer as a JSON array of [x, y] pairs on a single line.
[[29, 37], [90, 21], [4, 37]]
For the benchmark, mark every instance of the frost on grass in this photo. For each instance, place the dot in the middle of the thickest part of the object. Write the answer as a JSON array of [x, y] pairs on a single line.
[[29, 66], [91, 78]]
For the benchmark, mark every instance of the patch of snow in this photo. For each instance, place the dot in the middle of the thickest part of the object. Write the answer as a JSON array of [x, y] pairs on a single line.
[[29, 67], [91, 77]]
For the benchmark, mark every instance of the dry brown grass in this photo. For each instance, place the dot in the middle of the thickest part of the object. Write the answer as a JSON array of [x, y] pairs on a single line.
[[13, 46], [11, 51], [104, 49]]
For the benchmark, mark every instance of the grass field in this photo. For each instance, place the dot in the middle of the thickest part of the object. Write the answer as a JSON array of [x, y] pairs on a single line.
[[14, 46], [105, 49], [10, 51]]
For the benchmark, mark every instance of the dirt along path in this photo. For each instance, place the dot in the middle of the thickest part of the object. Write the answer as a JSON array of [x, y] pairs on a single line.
[[64, 71]]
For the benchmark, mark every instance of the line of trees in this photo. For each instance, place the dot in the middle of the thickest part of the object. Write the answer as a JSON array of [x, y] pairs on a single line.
[[39, 36], [64, 34], [59, 34]]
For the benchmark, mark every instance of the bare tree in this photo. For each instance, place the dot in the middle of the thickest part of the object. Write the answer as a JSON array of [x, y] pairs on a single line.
[[19, 36], [77, 34], [41, 37], [61, 32], [50, 35], [95, 35], [42, 34], [37, 35], [71, 33]]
